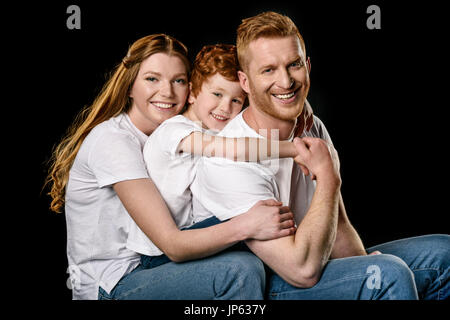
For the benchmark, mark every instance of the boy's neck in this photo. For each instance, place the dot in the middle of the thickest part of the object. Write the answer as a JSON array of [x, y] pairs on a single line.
[[190, 114]]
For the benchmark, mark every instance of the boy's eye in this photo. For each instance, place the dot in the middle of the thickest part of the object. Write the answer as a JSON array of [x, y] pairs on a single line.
[[217, 94], [237, 101]]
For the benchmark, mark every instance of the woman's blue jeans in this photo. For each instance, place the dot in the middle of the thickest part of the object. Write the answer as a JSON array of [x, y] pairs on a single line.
[[407, 269]]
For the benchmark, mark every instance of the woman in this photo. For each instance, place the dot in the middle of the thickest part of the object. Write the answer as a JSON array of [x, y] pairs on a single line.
[[98, 173]]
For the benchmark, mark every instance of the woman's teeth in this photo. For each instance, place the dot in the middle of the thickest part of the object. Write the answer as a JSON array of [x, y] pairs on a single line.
[[163, 105]]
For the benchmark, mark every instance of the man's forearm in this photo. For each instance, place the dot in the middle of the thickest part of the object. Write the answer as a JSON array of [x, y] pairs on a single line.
[[348, 243], [316, 233]]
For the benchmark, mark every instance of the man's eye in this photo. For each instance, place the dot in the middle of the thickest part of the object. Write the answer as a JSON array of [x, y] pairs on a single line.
[[296, 64], [268, 70]]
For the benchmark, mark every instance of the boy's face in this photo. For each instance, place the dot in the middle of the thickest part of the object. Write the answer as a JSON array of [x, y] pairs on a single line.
[[218, 101]]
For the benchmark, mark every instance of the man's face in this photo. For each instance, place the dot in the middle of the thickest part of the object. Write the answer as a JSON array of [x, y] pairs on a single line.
[[276, 77]]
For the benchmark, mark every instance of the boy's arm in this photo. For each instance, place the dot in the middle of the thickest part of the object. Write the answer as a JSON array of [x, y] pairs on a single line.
[[237, 149]]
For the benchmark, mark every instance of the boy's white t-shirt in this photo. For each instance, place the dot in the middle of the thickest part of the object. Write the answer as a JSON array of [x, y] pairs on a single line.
[[97, 222], [227, 188], [172, 174]]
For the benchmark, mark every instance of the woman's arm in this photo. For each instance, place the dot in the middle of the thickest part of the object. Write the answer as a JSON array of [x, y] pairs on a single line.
[[265, 220], [237, 149]]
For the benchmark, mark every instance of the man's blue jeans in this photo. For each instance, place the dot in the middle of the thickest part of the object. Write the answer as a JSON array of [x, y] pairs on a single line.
[[407, 269]]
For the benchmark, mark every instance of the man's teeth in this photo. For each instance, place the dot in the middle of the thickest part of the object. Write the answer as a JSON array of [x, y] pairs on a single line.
[[163, 105], [284, 96], [218, 117]]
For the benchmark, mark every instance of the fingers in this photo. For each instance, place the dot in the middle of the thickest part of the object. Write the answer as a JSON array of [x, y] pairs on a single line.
[[288, 215], [269, 202], [300, 145], [304, 170], [286, 232]]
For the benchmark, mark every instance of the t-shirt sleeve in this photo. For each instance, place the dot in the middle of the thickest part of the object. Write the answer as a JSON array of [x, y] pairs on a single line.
[[226, 189], [116, 157], [170, 134], [319, 130]]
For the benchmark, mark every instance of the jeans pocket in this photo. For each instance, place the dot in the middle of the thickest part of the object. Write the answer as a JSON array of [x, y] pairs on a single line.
[[103, 295]]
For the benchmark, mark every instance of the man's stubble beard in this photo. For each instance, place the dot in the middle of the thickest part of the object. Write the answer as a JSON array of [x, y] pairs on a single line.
[[265, 104]]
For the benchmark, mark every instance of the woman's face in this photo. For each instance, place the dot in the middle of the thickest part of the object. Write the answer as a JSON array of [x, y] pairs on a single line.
[[159, 91]]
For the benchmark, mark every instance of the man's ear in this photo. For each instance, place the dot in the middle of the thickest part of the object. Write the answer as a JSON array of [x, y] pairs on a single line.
[[191, 98], [243, 81], [308, 64]]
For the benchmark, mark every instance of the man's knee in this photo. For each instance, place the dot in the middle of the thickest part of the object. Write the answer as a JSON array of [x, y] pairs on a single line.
[[391, 278]]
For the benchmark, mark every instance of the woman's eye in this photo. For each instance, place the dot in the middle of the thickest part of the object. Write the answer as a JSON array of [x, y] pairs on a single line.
[[151, 79], [180, 81], [237, 101]]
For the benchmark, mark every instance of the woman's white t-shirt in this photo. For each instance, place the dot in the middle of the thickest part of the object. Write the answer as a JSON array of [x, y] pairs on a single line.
[[172, 174], [97, 222]]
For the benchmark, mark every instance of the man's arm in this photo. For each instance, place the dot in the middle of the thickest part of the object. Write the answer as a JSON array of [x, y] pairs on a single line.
[[348, 243], [299, 259]]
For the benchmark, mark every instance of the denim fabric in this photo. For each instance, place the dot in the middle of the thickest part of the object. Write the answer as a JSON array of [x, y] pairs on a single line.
[[227, 276], [407, 269]]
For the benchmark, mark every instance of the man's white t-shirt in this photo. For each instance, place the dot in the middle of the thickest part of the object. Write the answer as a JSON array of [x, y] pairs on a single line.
[[97, 222], [172, 173], [226, 188]]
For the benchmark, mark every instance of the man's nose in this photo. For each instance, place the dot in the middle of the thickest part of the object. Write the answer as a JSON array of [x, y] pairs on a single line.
[[285, 80]]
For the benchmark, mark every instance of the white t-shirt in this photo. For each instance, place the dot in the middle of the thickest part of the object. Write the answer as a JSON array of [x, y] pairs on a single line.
[[97, 222], [172, 174], [225, 188]]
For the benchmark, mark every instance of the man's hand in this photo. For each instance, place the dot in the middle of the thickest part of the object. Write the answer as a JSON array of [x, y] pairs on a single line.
[[317, 156]]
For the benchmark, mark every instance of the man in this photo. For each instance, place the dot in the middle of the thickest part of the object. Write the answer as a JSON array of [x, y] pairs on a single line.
[[275, 74]]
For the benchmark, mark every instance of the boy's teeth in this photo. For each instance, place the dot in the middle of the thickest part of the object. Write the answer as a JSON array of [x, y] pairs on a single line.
[[284, 96], [163, 105], [218, 117]]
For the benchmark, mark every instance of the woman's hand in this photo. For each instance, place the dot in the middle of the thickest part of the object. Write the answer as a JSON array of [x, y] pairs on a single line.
[[267, 220]]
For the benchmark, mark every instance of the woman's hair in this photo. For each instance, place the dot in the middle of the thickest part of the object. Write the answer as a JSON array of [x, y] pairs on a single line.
[[267, 24], [212, 59], [112, 100]]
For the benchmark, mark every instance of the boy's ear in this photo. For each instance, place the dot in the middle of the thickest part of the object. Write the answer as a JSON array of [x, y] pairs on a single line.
[[191, 98], [243, 81]]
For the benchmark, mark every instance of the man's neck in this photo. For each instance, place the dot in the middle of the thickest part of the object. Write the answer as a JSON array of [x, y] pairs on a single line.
[[267, 125]]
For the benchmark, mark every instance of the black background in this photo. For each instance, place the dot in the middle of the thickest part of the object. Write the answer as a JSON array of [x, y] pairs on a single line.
[[382, 95]]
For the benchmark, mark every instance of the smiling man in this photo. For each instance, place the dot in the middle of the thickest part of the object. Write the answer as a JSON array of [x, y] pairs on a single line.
[[325, 258]]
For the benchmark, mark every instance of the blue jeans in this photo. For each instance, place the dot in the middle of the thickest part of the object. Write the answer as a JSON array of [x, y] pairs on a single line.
[[226, 276], [407, 269]]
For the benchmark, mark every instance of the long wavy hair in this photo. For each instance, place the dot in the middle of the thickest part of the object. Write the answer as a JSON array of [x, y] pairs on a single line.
[[112, 100]]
